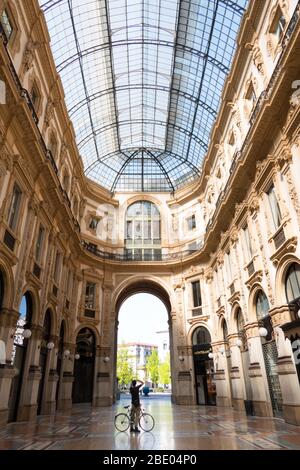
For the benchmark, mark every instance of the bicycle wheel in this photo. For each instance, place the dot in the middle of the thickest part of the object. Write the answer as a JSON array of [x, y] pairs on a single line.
[[147, 422], [122, 422]]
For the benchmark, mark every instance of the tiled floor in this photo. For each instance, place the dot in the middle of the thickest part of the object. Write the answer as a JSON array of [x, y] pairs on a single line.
[[177, 427]]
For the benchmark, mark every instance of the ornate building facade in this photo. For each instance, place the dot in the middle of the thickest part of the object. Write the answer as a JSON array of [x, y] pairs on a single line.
[[222, 251]]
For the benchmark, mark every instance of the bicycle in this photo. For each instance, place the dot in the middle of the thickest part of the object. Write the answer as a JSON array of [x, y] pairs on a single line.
[[123, 420]]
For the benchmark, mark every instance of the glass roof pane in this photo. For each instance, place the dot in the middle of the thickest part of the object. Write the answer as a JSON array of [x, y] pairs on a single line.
[[143, 81]]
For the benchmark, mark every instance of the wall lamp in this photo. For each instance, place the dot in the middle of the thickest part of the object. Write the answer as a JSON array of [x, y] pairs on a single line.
[[181, 358], [106, 359], [67, 353], [263, 332], [27, 334], [77, 356], [50, 345]]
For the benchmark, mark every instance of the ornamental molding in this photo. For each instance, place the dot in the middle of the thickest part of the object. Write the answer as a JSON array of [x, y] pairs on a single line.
[[288, 247]]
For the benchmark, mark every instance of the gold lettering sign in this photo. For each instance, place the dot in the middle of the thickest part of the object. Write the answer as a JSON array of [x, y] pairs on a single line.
[[202, 352]]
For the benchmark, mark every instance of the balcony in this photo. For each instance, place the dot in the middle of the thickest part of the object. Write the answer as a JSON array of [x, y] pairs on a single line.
[[140, 254], [196, 311]]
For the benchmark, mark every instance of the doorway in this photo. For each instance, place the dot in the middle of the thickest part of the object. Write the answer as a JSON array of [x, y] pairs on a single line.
[[144, 343], [84, 367], [203, 367]]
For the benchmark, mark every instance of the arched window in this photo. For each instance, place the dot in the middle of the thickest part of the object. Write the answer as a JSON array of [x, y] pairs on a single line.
[[1, 289], [201, 336], [292, 282], [143, 231], [262, 305]]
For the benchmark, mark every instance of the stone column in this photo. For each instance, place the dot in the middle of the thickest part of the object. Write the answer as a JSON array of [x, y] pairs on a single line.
[[181, 369], [49, 400], [104, 388], [287, 373], [221, 374], [183, 363], [104, 383], [8, 321], [236, 374], [66, 378], [31, 377], [257, 373]]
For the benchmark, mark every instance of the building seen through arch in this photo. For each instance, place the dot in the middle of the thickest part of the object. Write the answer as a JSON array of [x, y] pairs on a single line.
[[141, 155]]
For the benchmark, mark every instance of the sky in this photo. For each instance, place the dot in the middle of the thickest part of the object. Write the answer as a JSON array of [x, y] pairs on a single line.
[[141, 315]]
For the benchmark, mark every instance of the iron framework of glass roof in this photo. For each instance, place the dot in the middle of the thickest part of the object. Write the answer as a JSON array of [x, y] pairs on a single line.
[[143, 81]]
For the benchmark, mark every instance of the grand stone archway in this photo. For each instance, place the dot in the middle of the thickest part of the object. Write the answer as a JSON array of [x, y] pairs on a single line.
[[181, 358], [143, 287]]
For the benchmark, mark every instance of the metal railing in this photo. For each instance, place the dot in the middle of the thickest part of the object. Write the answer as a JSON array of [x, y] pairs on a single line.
[[175, 256]]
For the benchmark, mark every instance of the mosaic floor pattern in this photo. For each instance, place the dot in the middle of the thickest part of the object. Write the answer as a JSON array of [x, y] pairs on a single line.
[[177, 427]]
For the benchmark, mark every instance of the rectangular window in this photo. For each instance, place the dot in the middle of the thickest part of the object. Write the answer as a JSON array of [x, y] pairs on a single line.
[[129, 229], [191, 222], [274, 206], [251, 96], [228, 265], [279, 25], [90, 295], [14, 208], [196, 294], [39, 244], [57, 267], [69, 285], [35, 97], [248, 245], [7, 24]]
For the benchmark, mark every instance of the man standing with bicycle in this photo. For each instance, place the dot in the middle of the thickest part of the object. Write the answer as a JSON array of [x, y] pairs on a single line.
[[135, 404]]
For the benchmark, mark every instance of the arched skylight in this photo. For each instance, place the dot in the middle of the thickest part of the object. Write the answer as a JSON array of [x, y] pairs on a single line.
[[143, 81]]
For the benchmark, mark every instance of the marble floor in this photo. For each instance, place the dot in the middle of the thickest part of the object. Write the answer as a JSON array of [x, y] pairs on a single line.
[[176, 427]]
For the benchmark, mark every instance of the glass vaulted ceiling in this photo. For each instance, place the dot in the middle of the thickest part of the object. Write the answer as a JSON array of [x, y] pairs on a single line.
[[143, 81]]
